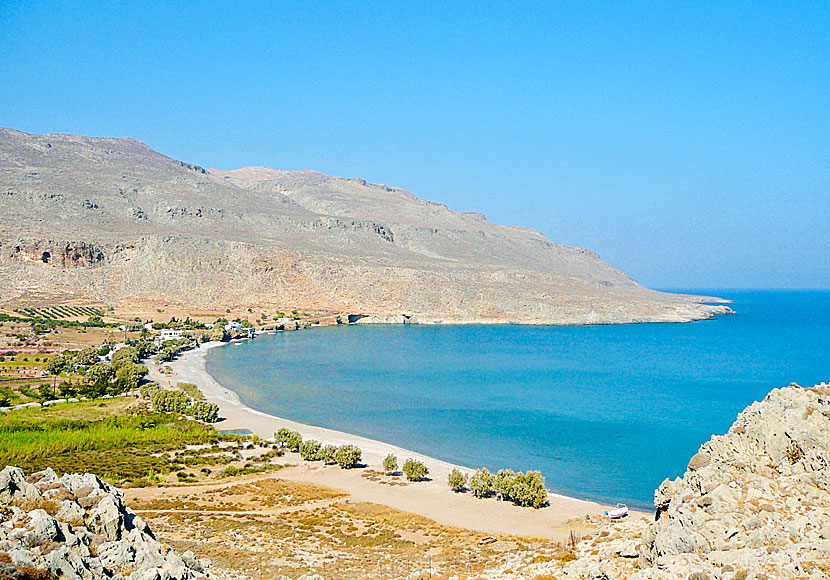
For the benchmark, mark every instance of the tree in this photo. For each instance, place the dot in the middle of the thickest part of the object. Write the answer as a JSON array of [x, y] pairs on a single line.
[[97, 379], [457, 480], [505, 479], [290, 440], [414, 470], [67, 390], [205, 412], [390, 463], [129, 374], [482, 482], [171, 402], [44, 393], [348, 456], [58, 364], [87, 357], [528, 490], [310, 450], [128, 354], [328, 454]]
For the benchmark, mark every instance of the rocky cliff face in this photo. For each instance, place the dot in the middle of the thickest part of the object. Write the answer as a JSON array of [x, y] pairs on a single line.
[[85, 532], [116, 221]]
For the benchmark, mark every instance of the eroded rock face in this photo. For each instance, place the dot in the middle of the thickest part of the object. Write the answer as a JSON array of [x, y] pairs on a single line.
[[761, 489], [91, 535]]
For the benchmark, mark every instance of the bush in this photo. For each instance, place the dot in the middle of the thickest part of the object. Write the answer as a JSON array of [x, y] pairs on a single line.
[[482, 483], [290, 440], [414, 470], [390, 463], [503, 485], [148, 390], [205, 412], [528, 490], [328, 454], [310, 450], [457, 480], [348, 456]]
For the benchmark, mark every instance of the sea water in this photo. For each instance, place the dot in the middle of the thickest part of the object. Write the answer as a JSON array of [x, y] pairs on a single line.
[[604, 412]]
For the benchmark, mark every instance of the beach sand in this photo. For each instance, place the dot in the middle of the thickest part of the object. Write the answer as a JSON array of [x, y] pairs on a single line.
[[432, 499]]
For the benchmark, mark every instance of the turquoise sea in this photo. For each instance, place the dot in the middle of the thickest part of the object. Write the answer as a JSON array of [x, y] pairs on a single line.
[[604, 412]]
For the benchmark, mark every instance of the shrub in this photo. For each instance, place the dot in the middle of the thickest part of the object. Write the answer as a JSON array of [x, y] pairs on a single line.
[[482, 483], [310, 450], [205, 412], [348, 456], [328, 454], [148, 390], [390, 463], [457, 480], [503, 484], [287, 439], [528, 490], [414, 470]]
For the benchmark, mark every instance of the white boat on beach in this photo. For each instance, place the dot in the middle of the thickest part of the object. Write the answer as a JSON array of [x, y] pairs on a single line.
[[618, 512]]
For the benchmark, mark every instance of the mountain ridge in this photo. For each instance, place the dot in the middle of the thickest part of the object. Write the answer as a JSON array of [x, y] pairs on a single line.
[[120, 221]]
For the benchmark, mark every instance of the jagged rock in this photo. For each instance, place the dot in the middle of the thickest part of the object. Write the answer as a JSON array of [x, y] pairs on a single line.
[[71, 512], [107, 517], [123, 542], [13, 485]]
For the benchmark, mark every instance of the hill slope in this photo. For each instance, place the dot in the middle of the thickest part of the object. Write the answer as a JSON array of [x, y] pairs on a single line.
[[117, 221]]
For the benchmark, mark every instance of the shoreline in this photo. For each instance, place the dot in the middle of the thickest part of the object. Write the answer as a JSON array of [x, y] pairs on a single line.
[[432, 498]]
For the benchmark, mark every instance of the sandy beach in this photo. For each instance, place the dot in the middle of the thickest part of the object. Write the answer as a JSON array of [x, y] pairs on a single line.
[[432, 499]]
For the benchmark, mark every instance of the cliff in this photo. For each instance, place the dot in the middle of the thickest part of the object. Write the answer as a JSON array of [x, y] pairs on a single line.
[[115, 221]]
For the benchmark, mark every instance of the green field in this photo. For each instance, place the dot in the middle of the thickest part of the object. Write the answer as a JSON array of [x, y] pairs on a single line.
[[102, 437]]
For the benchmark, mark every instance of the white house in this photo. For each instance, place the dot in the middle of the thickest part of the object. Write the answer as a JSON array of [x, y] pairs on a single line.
[[168, 334]]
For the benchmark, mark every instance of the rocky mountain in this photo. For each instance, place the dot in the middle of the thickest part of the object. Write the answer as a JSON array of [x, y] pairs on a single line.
[[113, 220]]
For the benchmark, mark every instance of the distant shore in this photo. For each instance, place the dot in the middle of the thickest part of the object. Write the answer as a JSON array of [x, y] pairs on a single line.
[[432, 499]]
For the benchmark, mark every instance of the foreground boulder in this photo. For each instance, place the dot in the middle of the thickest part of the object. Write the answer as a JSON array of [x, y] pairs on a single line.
[[77, 527]]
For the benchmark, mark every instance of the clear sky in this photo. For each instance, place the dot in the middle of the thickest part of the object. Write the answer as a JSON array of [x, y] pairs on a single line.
[[687, 143]]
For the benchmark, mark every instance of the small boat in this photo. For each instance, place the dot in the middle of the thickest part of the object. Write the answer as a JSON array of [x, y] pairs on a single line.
[[619, 512]]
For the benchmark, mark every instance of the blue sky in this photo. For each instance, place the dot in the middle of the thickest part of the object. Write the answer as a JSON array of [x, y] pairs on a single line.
[[687, 143]]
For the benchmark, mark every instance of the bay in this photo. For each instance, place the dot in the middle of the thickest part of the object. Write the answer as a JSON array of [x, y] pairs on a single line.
[[604, 412]]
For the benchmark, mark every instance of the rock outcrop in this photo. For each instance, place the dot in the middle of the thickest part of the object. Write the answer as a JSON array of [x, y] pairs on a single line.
[[753, 504], [117, 222], [77, 527]]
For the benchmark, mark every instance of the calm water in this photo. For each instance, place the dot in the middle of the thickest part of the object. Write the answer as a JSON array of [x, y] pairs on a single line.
[[605, 412]]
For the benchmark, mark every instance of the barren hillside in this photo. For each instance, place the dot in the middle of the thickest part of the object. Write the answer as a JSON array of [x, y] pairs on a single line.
[[116, 221]]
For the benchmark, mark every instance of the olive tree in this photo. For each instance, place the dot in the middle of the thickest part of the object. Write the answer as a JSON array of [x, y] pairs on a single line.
[[328, 454], [310, 450], [529, 490], [205, 412], [390, 463], [482, 483], [457, 480], [503, 485], [348, 456], [287, 439], [414, 470]]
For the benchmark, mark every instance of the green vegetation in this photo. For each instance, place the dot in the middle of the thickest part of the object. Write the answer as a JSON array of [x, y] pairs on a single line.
[[179, 402], [457, 480], [482, 483], [348, 456], [390, 463], [192, 390], [287, 439], [414, 470], [310, 450], [328, 454], [93, 437], [523, 489]]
